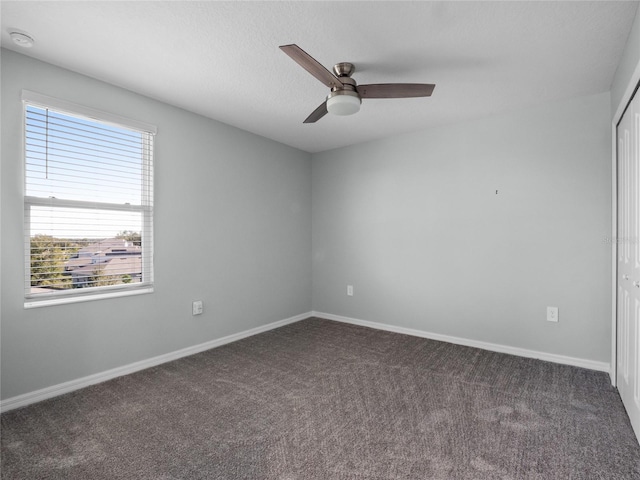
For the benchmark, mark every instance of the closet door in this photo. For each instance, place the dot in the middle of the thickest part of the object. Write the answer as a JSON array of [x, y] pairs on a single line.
[[628, 243]]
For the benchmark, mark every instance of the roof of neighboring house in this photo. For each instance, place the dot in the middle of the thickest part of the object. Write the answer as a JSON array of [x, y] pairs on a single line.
[[125, 265], [99, 251]]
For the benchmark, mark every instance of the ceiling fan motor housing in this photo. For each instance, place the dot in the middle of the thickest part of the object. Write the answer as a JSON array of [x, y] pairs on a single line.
[[344, 100]]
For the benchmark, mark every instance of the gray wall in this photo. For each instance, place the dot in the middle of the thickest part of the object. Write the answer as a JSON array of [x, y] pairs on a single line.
[[232, 227], [628, 63], [415, 224]]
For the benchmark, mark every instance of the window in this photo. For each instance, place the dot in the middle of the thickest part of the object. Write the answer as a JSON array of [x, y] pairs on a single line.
[[88, 203]]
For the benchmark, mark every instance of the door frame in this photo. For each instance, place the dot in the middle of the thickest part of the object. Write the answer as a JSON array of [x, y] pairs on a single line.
[[633, 84]]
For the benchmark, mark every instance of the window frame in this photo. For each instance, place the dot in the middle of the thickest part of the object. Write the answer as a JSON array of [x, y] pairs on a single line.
[[32, 300]]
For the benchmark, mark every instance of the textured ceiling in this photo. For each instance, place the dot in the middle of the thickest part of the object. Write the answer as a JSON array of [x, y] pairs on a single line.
[[221, 59]]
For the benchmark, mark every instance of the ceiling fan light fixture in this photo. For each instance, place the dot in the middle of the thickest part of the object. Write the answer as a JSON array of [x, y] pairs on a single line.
[[343, 102], [346, 96]]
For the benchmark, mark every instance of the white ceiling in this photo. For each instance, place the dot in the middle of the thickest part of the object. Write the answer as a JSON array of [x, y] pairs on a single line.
[[221, 59]]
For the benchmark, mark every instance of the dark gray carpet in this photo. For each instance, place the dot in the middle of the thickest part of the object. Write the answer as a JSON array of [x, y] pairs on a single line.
[[323, 400]]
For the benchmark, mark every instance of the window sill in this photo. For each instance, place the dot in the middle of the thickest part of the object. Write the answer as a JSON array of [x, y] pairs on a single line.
[[32, 303]]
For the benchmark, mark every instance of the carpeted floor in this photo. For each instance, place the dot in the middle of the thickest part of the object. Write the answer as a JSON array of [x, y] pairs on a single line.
[[323, 400]]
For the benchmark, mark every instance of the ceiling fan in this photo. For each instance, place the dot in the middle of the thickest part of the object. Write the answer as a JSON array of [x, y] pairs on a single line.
[[346, 96]]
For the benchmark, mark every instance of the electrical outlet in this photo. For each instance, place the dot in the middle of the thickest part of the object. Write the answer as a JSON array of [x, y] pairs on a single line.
[[552, 314], [197, 308], [350, 290]]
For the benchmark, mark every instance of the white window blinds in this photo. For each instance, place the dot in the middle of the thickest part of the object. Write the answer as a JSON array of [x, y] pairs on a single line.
[[88, 201]]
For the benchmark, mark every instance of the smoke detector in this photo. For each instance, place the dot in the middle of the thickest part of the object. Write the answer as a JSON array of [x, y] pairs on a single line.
[[21, 39]]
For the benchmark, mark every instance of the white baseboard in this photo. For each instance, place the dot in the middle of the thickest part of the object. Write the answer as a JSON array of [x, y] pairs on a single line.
[[493, 347], [66, 387], [70, 386]]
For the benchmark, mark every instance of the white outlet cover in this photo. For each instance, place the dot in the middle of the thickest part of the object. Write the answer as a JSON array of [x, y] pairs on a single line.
[[197, 307], [552, 314]]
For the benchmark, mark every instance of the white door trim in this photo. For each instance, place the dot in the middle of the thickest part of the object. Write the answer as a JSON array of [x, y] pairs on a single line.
[[626, 98]]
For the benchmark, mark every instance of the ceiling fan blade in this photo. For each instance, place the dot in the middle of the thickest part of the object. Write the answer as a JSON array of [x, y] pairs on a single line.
[[395, 90], [317, 114], [311, 65]]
